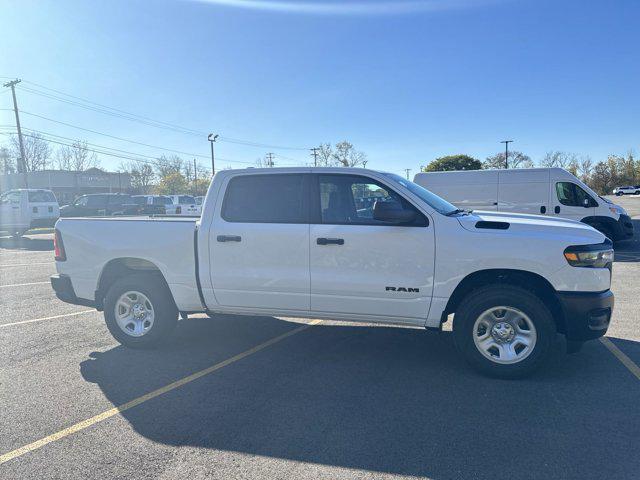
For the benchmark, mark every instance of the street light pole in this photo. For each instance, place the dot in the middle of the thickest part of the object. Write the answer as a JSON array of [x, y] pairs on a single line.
[[212, 138], [506, 152]]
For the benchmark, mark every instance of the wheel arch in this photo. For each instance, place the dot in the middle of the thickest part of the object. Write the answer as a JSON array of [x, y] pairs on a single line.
[[533, 282], [596, 221], [118, 268]]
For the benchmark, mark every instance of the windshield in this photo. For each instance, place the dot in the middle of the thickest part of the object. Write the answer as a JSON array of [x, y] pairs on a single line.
[[433, 200]]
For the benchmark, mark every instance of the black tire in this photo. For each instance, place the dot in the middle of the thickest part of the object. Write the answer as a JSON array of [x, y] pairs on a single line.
[[164, 309], [483, 299]]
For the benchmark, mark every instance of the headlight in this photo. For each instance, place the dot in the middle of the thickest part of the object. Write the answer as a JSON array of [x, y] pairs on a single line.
[[590, 256]]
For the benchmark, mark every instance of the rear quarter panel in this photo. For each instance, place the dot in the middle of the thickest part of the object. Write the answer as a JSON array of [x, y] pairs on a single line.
[[91, 243]]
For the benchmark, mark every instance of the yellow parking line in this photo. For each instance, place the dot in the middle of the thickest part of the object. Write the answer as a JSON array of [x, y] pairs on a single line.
[[626, 361], [45, 318], [155, 393]]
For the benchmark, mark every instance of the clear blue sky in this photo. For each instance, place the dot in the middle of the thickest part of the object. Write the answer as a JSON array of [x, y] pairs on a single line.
[[404, 81]]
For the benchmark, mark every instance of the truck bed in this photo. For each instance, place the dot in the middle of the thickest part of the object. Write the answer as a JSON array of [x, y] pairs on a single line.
[[165, 242]]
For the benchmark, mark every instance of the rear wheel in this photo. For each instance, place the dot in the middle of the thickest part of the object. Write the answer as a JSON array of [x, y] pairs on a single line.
[[139, 311], [504, 331]]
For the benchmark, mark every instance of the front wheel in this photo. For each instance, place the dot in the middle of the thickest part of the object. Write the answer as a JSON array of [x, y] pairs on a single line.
[[503, 331], [139, 311]]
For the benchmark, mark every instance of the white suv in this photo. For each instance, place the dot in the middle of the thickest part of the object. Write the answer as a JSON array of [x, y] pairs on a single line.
[[629, 190]]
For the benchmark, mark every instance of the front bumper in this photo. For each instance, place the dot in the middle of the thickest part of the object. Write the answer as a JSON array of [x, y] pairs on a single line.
[[64, 291], [586, 314]]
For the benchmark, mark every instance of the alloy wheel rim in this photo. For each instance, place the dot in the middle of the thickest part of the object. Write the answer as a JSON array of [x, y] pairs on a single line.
[[504, 335], [134, 313]]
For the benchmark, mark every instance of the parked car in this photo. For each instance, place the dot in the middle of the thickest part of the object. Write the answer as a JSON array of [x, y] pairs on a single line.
[[630, 190], [552, 192], [24, 209], [290, 242], [100, 205], [199, 200], [156, 205], [187, 203]]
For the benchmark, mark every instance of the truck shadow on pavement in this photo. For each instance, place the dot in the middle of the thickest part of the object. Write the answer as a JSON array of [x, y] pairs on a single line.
[[382, 399]]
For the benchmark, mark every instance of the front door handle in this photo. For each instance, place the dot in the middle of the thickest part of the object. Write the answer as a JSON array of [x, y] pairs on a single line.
[[229, 238], [543, 209], [557, 209], [330, 241]]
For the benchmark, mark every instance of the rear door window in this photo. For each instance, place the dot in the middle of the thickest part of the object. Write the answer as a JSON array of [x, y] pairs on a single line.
[[277, 198]]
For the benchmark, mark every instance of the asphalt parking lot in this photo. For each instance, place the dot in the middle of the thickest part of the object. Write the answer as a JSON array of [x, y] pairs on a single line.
[[276, 399]]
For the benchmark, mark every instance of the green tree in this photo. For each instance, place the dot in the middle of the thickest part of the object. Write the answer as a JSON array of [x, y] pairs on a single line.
[[172, 184], [453, 162]]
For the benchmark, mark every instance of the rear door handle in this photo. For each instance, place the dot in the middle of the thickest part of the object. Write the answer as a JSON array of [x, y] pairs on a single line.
[[330, 241], [557, 209], [229, 238], [543, 209]]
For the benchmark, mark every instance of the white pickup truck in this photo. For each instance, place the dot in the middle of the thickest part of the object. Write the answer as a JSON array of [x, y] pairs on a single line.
[[345, 244]]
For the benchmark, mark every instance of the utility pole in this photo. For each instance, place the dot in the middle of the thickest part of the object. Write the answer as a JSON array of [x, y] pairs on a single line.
[[506, 152], [314, 152], [270, 160], [407, 170], [22, 164], [195, 178], [212, 138], [364, 163]]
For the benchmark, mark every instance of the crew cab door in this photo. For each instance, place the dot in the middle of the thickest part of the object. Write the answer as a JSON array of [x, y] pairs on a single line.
[[569, 200], [259, 243], [363, 266]]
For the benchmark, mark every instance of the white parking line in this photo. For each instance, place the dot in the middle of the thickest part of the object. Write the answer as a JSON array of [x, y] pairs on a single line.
[[46, 318], [24, 284]]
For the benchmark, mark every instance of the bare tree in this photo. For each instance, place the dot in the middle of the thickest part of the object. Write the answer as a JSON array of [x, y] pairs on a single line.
[[585, 169], [342, 155], [347, 156], [76, 157], [36, 151], [516, 160], [168, 165], [141, 174], [325, 155], [559, 159]]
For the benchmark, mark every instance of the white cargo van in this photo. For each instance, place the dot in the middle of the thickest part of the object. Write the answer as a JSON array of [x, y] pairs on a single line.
[[539, 191], [24, 209]]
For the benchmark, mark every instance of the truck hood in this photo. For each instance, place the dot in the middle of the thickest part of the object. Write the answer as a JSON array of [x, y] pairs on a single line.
[[534, 225]]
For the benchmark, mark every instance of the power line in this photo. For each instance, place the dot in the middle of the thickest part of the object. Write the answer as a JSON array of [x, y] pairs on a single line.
[[101, 108], [111, 136]]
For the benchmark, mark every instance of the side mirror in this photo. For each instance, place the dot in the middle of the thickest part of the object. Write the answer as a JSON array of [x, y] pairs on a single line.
[[392, 212]]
